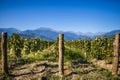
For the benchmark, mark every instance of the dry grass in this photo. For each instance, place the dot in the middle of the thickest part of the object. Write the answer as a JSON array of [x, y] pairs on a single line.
[[49, 70]]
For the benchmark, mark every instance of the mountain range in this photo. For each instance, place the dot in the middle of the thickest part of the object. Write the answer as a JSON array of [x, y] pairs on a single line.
[[50, 34]]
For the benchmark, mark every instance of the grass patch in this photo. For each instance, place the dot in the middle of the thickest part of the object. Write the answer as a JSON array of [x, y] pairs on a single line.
[[71, 55]]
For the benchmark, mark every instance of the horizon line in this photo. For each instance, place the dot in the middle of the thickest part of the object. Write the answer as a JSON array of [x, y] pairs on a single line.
[[57, 30]]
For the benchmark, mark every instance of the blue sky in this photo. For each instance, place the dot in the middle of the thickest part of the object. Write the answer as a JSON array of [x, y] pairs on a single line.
[[61, 15]]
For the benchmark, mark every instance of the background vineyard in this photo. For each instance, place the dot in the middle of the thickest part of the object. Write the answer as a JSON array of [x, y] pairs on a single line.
[[26, 50], [99, 48]]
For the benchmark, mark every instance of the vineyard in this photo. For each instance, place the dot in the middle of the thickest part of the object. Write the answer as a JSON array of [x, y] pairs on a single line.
[[41, 57]]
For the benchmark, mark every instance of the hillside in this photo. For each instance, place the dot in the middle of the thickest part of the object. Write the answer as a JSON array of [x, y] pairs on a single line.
[[50, 34]]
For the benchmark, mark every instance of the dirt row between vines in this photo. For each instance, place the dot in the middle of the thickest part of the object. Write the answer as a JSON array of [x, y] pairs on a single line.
[[45, 69]]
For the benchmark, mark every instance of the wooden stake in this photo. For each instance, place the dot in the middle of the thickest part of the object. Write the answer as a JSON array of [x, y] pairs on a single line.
[[61, 54], [116, 54], [4, 53]]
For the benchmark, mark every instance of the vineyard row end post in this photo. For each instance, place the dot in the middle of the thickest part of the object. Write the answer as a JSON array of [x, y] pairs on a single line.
[[61, 54], [4, 53], [116, 45]]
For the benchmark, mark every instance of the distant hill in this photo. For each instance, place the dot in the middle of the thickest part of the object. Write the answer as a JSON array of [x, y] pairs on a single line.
[[9, 30], [50, 34], [112, 33]]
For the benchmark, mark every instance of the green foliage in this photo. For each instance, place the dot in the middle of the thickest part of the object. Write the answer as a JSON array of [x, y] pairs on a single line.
[[100, 48], [56, 44], [26, 46], [71, 55], [35, 45], [18, 45], [15, 45], [45, 44]]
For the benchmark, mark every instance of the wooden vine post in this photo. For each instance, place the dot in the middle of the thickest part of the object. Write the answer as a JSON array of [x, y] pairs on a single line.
[[116, 54], [61, 54], [4, 53]]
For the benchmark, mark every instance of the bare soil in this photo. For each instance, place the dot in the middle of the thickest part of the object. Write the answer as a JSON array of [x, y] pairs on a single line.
[[44, 70]]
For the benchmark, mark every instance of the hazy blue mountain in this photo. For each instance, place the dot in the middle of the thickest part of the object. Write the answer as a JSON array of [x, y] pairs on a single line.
[[50, 34], [9, 30], [112, 33], [47, 33], [91, 35], [73, 36]]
